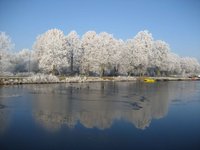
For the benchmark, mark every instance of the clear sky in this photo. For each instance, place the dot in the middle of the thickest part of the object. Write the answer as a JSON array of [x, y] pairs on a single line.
[[175, 21]]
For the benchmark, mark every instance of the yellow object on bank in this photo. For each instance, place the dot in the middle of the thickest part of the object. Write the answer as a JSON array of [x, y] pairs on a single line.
[[148, 80]]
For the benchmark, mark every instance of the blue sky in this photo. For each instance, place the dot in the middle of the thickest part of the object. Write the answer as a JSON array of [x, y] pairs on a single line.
[[175, 21]]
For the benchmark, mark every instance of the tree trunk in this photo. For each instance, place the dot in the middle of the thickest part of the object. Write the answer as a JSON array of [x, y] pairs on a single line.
[[102, 70], [71, 65]]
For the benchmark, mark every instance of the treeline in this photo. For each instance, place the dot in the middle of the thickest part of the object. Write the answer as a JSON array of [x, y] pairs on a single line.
[[96, 55]]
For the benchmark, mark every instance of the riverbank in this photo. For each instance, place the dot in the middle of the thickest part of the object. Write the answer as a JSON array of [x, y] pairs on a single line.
[[47, 79], [169, 78]]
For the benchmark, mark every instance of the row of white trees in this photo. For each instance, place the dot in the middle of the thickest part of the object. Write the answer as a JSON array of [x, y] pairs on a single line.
[[95, 54]]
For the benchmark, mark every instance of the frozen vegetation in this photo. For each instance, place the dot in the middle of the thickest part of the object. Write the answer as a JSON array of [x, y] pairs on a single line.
[[42, 78], [93, 54], [45, 78]]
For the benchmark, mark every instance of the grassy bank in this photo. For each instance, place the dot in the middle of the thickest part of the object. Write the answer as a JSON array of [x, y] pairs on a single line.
[[47, 79]]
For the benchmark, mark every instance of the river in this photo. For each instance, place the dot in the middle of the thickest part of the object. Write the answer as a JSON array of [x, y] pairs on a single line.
[[101, 115]]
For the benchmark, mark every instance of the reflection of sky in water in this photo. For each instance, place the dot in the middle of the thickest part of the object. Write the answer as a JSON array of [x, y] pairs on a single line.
[[110, 107]]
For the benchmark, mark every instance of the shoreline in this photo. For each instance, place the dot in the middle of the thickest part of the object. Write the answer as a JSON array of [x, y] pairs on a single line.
[[84, 79]]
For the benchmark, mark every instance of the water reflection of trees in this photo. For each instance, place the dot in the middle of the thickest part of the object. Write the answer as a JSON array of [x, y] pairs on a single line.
[[100, 104], [4, 114], [184, 91], [4, 120], [8, 93], [97, 105]]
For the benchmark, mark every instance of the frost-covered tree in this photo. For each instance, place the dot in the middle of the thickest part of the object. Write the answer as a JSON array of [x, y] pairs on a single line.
[[101, 53], [89, 43], [74, 51], [107, 53], [50, 49], [95, 54], [5, 42], [34, 66], [125, 59], [130, 57], [158, 57], [24, 61], [173, 64], [140, 51], [5, 47], [116, 57], [190, 65]]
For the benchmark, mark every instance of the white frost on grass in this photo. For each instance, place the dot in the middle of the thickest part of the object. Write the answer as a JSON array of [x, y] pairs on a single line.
[[75, 79], [41, 78], [124, 78], [97, 79]]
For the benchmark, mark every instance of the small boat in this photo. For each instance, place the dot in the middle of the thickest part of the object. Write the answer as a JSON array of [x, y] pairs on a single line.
[[149, 80]]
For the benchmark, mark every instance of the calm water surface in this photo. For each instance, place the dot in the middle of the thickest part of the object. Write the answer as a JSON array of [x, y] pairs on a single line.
[[109, 115]]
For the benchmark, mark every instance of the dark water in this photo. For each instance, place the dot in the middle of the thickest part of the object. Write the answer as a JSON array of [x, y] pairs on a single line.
[[122, 115]]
